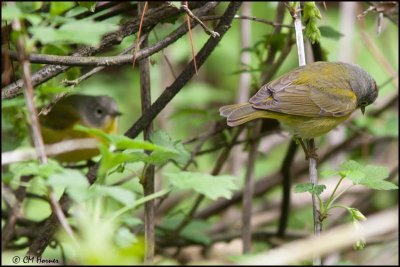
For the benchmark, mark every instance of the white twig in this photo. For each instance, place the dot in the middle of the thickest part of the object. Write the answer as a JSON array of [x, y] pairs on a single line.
[[310, 143], [50, 150]]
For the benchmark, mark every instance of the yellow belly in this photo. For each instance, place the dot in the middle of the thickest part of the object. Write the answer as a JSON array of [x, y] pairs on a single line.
[[51, 136], [306, 127]]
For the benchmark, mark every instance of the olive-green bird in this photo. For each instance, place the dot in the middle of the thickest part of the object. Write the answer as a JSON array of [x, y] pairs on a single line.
[[99, 112], [310, 100]]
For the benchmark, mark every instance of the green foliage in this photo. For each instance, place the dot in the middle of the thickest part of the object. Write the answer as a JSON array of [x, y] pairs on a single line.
[[371, 176], [91, 6], [89, 33], [309, 187], [310, 16], [211, 186], [329, 32]]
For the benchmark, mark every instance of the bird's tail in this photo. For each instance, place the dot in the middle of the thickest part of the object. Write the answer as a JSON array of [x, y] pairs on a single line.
[[240, 113]]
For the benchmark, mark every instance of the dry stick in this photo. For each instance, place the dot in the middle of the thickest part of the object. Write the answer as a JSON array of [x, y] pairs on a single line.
[[190, 37], [237, 157], [34, 123], [248, 191], [153, 17], [310, 143], [286, 172], [139, 31], [148, 172]]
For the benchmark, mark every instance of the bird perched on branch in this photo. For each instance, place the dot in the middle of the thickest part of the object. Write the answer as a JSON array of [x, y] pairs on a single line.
[[310, 100]]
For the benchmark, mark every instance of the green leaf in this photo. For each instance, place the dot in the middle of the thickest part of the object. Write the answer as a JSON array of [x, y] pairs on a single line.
[[329, 32], [212, 187], [91, 6], [304, 187], [309, 187], [57, 8], [379, 184], [328, 173], [196, 231], [118, 193], [174, 149], [124, 238], [73, 31], [68, 178], [10, 12]]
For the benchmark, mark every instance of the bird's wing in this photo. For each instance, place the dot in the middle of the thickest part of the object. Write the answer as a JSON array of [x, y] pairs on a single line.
[[61, 117], [303, 94]]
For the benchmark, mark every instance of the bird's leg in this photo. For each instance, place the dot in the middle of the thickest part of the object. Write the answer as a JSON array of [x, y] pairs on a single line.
[[309, 152]]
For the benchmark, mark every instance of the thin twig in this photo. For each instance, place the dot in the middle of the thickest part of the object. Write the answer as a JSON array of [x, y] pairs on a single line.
[[190, 37], [139, 32], [153, 17], [148, 172], [206, 29]]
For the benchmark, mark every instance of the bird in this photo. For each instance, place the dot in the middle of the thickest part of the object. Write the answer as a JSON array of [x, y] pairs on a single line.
[[310, 100], [100, 112]]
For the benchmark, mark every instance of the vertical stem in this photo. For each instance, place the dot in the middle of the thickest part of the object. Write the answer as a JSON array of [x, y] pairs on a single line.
[[310, 143], [148, 179], [249, 190]]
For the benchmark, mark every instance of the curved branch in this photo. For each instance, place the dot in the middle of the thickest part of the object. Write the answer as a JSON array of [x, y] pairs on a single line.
[[153, 17]]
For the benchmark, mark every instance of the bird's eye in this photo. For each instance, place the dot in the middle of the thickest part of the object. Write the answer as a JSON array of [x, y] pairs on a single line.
[[99, 111]]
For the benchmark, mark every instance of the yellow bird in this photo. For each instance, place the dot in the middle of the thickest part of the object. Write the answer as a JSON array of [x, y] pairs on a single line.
[[310, 100], [99, 112]]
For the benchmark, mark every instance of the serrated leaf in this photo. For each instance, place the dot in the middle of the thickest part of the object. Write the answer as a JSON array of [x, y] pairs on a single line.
[[376, 172], [318, 189], [351, 165], [328, 173], [304, 187], [175, 149], [309, 187], [356, 176], [379, 184], [120, 194], [212, 187], [329, 32]]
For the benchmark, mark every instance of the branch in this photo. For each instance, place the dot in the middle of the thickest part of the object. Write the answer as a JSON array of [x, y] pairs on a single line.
[[153, 17], [186, 75]]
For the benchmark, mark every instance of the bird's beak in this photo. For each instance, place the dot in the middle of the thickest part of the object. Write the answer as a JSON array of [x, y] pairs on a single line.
[[363, 109], [116, 113]]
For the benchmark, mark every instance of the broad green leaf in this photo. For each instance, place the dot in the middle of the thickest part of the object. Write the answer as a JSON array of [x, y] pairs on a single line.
[[329, 32], [68, 178], [376, 172], [212, 187], [120, 194], [176, 151], [57, 8], [328, 173], [91, 6], [124, 238], [356, 176], [10, 12], [73, 31], [196, 231], [378, 184]]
